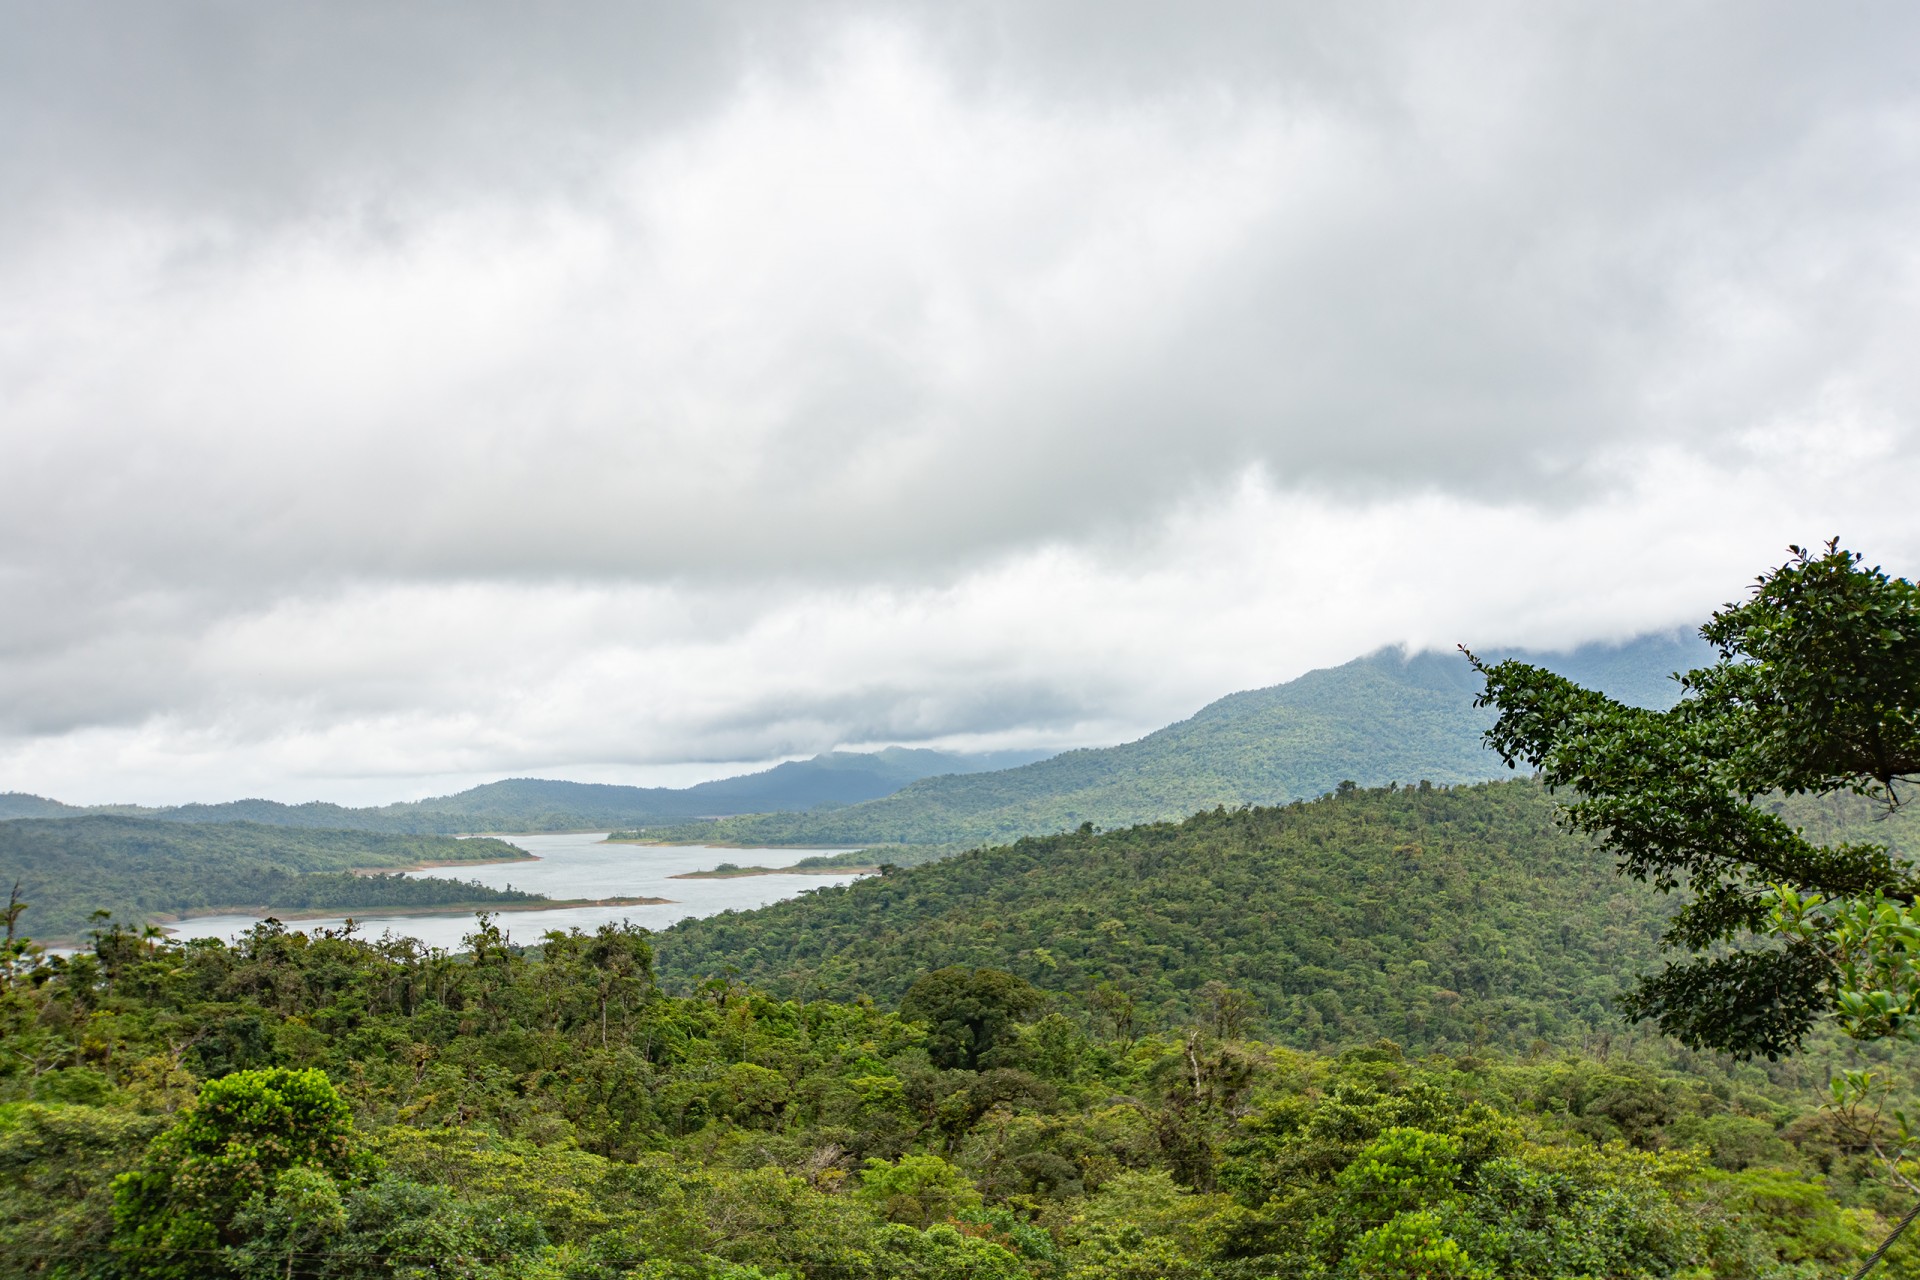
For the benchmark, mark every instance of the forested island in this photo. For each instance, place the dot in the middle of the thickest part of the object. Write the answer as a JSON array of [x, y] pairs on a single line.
[[733, 871]]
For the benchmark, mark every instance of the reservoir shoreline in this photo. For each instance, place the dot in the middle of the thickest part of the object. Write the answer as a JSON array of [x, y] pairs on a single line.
[[587, 880], [742, 872]]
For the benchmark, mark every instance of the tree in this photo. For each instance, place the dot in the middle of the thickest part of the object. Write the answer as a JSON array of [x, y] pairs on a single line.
[[1403, 1168], [969, 1012], [1415, 1246], [18, 954], [1816, 691], [917, 1190], [1120, 1008], [227, 1156], [1226, 1012], [296, 1219]]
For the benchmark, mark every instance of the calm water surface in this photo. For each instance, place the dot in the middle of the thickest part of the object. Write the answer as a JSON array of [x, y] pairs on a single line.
[[578, 866]]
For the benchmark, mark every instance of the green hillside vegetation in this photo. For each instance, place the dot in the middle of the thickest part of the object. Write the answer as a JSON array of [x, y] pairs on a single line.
[[322, 1106], [1388, 717], [140, 870], [1444, 918], [539, 804], [843, 777]]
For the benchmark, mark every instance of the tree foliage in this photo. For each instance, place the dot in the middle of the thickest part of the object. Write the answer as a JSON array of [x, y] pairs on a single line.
[[272, 1145], [970, 1013], [1438, 917], [1816, 692], [324, 1106]]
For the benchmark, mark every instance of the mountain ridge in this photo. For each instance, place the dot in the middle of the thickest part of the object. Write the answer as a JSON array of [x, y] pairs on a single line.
[[533, 804], [1388, 716]]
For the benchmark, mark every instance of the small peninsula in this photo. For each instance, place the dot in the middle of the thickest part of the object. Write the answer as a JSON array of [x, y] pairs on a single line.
[[731, 871]]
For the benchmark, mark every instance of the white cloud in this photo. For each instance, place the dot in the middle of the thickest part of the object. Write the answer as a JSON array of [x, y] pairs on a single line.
[[372, 691], [638, 398]]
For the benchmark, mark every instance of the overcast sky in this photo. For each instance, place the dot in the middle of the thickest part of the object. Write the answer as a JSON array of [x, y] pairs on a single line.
[[397, 397]]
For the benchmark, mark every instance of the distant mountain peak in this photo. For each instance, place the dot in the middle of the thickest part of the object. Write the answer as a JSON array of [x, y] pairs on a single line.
[[834, 778], [1392, 715]]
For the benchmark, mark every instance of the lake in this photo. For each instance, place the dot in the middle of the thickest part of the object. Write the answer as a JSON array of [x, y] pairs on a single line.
[[575, 865]]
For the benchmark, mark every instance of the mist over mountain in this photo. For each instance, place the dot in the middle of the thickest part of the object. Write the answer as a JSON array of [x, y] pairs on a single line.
[[1386, 717]]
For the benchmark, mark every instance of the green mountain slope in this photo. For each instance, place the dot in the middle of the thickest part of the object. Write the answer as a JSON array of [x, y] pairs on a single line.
[[1438, 917], [540, 804], [1385, 717], [141, 870]]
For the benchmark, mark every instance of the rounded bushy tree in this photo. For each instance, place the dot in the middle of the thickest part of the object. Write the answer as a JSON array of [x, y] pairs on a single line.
[[175, 1214], [969, 1012]]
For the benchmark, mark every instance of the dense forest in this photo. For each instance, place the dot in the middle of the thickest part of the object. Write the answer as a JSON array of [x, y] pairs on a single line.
[[326, 1106], [139, 870], [1387, 717], [1444, 918]]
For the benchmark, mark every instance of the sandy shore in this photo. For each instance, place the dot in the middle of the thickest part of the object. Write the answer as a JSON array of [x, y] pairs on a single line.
[[727, 844], [774, 871]]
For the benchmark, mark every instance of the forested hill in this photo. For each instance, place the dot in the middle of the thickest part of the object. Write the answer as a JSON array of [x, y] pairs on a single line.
[[1438, 917], [1382, 718], [539, 804], [140, 870]]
